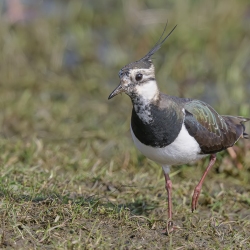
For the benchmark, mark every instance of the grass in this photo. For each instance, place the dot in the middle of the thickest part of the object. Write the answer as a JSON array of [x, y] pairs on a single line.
[[70, 177]]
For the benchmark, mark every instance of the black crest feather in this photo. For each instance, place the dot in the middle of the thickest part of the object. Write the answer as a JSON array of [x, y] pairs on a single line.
[[158, 44], [145, 61]]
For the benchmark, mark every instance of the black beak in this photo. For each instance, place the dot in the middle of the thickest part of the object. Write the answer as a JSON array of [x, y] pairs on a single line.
[[116, 91]]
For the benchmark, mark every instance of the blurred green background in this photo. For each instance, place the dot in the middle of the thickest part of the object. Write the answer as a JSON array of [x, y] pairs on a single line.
[[61, 137], [59, 64]]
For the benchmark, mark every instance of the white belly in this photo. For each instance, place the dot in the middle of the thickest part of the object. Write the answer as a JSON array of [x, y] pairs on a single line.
[[184, 149]]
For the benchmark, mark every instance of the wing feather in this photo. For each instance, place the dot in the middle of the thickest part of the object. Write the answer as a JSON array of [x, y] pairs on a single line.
[[212, 131]]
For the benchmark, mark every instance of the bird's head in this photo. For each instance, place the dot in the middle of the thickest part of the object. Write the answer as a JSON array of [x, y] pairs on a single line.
[[138, 78]]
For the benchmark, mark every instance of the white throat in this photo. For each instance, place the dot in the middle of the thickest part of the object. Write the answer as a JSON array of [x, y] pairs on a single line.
[[146, 93]]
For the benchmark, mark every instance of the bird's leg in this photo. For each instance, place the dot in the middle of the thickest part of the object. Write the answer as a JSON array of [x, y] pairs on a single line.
[[197, 190], [169, 190]]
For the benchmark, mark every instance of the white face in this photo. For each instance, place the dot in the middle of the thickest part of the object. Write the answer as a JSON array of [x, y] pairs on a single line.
[[140, 83]]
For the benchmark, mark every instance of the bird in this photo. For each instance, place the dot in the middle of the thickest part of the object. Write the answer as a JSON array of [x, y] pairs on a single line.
[[173, 131]]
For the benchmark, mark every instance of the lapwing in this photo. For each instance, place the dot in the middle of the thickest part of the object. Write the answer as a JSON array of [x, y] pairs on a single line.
[[170, 130]]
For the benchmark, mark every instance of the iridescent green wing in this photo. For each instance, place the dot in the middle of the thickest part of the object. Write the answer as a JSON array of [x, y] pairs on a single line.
[[207, 117], [211, 130]]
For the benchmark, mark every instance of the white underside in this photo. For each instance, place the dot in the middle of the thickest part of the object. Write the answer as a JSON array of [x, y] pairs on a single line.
[[183, 150]]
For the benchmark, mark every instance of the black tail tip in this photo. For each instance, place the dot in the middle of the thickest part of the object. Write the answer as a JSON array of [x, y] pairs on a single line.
[[245, 135]]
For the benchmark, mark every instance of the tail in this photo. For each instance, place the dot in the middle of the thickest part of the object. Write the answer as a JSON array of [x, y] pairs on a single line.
[[245, 135], [238, 122]]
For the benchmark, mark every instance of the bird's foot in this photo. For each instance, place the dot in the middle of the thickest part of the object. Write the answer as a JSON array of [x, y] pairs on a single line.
[[170, 228], [195, 198]]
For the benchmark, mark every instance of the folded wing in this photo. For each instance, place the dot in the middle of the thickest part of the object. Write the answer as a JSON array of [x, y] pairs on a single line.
[[212, 131]]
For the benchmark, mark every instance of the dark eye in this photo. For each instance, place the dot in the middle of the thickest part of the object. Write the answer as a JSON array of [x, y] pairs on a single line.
[[138, 77]]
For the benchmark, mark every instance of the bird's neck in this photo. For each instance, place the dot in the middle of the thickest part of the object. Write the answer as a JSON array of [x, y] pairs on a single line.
[[146, 95]]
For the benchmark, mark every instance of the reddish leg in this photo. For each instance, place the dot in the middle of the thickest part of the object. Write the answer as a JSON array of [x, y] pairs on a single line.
[[197, 190], [169, 190]]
